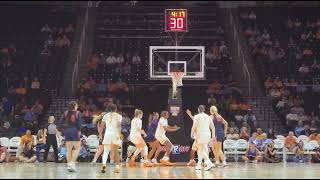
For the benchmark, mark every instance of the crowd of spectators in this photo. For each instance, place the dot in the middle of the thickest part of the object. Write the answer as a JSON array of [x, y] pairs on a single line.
[[289, 61]]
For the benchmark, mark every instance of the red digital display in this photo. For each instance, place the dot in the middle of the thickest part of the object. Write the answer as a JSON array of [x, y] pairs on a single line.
[[176, 20]]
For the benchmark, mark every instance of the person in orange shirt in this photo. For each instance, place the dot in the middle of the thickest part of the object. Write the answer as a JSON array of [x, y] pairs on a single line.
[[290, 141], [307, 52], [24, 141], [21, 90], [314, 136], [268, 83], [278, 82], [93, 62]]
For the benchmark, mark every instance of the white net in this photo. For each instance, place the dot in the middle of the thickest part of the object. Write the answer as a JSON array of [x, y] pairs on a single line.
[[176, 82]]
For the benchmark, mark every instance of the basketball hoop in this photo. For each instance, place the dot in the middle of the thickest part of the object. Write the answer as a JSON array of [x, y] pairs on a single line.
[[176, 82]]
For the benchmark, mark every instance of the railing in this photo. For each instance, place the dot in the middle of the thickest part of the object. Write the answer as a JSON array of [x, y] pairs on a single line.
[[236, 41], [75, 73]]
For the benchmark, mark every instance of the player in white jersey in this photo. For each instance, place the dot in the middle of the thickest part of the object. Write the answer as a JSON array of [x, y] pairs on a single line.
[[160, 135], [194, 147], [111, 141], [136, 138], [203, 131]]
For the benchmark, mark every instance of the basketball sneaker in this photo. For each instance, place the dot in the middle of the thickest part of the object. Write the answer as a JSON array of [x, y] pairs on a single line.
[[209, 166], [73, 167], [103, 168], [198, 167], [117, 169], [154, 161], [147, 164], [132, 163], [165, 162]]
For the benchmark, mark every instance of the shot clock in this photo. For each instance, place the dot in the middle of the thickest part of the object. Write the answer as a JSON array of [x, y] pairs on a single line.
[[176, 20]]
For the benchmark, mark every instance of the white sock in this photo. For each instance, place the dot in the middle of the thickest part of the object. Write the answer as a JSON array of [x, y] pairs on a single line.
[[105, 155], [224, 162], [217, 162], [145, 153]]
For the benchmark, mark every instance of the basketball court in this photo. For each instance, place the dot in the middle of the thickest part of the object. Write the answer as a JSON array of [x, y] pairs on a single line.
[[233, 171]]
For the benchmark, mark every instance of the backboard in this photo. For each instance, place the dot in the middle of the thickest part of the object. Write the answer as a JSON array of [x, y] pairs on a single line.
[[187, 59]]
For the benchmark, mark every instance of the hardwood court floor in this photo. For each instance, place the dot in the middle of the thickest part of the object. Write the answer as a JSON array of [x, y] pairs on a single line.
[[87, 171]]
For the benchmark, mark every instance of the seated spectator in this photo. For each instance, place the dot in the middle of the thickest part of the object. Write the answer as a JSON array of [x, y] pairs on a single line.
[[238, 117], [270, 153], [35, 83], [232, 135], [63, 152], [316, 157], [307, 52], [120, 59], [244, 107], [316, 87], [299, 153], [271, 134], [215, 51], [122, 86], [27, 155], [253, 138], [234, 127], [278, 83], [306, 130], [64, 42], [93, 61], [21, 90], [299, 128], [297, 110], [29, 117], [102, 86], [209, 55], [314, 136], [304, 69], [3, 153], [313, 126], [275, 93], [281, 104], [41, 142], [214, 87], [290, 141], [252, 154], [7, 106], [244, 134], [259, 133], [69, 29], [84, 152], [268, 83], [136, 59], [249, 32], [37, 108], [262, 142], [250, 118], [111, 59]]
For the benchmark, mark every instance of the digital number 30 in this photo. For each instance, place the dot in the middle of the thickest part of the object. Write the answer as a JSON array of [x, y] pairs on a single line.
[[176, 23]]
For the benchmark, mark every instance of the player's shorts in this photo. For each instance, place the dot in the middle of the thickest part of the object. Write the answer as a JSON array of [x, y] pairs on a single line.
[[111, 139], [162, 139], [136, 139], [71, 134], [203, 138]]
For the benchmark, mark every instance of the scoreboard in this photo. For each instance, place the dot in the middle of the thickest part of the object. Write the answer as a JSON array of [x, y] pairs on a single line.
[[176, 20]]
